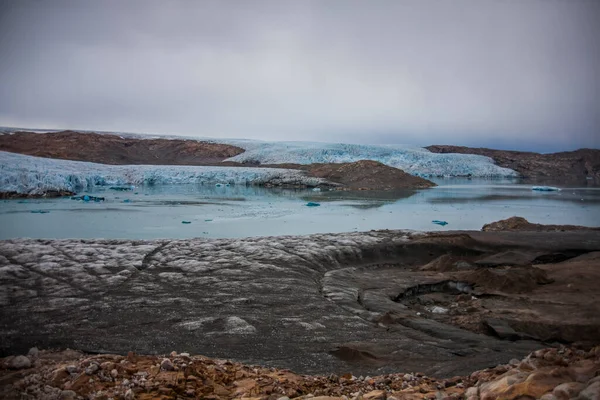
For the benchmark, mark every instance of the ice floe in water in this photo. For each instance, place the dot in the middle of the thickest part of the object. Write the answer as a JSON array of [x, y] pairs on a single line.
[[413, 160], [27, 174], [545, 189]]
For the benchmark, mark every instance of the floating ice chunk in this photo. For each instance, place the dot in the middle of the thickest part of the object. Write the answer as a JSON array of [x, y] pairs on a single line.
[[545, 188], [311, 204], [442, 223]]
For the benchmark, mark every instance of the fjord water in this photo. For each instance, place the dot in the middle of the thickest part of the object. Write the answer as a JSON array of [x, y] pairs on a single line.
[[150, 212]]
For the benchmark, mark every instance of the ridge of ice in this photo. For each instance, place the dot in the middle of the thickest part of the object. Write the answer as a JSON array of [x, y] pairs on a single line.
[[29, 174], [413, 160]]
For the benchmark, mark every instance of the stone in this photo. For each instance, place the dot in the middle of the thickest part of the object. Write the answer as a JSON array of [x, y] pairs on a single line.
[[472, 391], [567, 390], [33, 353], [501, 328], [592, 392], [68, 395], [20, 362], [129, 395], [375, 395], [107, 365], [92, 369], [537, 384], [325, 398], [59, 376], [72, 369], [114, 373], [166, 365]]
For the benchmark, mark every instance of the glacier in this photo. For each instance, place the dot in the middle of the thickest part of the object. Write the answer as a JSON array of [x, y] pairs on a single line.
[[411, 159], [35, 175]]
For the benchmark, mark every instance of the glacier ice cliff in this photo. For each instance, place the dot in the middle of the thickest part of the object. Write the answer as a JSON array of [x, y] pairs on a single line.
[[413, 160], [28, 174]]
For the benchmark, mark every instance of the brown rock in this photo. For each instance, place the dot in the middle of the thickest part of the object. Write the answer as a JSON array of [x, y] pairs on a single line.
[[592, 392], [569, 166], [375, 395], [367, 175], [20, 362], [536, 385], [567, 390], [521, 224], [112, 149], [245, 386]]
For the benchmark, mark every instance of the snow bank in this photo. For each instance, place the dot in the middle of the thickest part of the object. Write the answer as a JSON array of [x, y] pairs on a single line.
[[413, 160], [27, 174]]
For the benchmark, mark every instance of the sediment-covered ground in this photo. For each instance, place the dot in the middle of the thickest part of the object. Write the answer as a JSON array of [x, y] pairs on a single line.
[[368, 303]]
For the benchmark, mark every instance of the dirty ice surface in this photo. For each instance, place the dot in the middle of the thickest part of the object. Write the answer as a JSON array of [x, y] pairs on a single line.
[[240, 211]]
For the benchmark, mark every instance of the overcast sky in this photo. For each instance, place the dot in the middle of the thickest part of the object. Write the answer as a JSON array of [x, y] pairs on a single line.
[[521, 74]]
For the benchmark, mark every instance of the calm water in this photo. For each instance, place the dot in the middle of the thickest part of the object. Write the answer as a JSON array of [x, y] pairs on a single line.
[[235, 211]]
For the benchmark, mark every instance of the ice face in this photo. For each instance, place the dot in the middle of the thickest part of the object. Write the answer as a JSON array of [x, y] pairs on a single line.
[[27, 174], [413, 160]]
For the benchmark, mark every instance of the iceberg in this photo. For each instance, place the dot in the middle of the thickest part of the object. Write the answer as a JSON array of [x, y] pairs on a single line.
[[413, 160], [27, 174], [545, 189]]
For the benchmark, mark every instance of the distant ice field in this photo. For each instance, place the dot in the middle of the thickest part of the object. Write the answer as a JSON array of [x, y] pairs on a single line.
[[412, 159]]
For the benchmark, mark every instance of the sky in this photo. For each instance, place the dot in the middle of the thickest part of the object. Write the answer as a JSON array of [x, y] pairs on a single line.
[[510, 74]]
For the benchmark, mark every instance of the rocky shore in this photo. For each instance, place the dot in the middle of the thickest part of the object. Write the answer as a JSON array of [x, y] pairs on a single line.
[[549, 374], [116, 150]]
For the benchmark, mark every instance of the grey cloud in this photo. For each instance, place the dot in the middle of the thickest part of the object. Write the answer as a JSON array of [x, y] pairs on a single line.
[[515, 74]]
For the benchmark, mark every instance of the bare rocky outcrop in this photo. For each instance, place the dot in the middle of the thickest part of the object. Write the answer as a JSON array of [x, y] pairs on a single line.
[[521, 224], [113, 149], [579, 166], [362, 175]]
